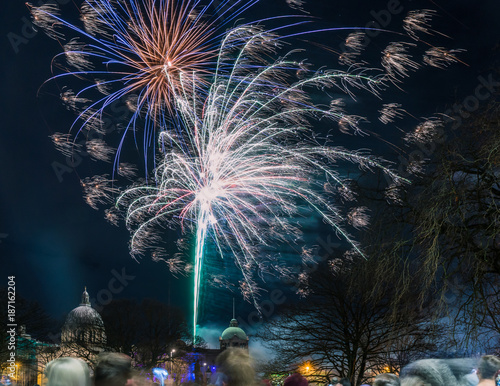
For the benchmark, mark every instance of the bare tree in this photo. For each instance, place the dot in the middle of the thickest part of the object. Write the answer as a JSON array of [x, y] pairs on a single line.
[[122, 319], [147, 331], [455, 215], [347, 327]]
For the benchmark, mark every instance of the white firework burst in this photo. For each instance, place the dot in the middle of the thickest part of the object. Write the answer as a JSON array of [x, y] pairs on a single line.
[[244, 161]]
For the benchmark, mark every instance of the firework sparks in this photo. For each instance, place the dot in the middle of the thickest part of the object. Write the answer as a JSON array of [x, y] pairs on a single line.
[[348, 58], [236, 154], [71, 101], [358, 217], [219, 177], [64, 144], [99, 150], [426, 131], [354, 44], [127, 170], [393, 194], [336, 265], [46, 17], [441, 57], [98, 190], [356, 41], [112, 216], [296, 4], [396, 60], [418, 21], [350, 124], [177, 265], [76, 55], [390, 112], [142, 47]]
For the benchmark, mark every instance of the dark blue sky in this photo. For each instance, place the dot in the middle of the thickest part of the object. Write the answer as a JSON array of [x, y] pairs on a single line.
[[55, 244]]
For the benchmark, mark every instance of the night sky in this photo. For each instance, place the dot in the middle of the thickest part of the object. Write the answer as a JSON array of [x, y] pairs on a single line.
[[55, 244]]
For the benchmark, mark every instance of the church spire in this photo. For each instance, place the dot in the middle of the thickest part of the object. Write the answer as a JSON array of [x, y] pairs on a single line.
[[85, 298]]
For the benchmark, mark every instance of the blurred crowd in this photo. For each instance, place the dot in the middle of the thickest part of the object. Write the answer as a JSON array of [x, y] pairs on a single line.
[[237, 369]]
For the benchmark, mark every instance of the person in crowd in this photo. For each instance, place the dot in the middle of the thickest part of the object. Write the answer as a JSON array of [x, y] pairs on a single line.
[[266, 382], [343, 382], [114, 369], [237, 367], [386, 379], [487, 369], [437, 372], [67, 372], [295, 380]]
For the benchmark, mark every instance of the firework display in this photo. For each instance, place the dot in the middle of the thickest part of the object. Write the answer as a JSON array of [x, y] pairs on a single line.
[[231, 120], [140, 50], [243, 161]]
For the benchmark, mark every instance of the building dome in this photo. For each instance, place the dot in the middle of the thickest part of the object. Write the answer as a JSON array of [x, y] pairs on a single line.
[[233, 331], [233, 336], [84, 325]]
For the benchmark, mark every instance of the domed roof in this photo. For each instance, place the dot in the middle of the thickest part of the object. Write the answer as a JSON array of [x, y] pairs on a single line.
[[84, 325], [83, 315], [233, 331]]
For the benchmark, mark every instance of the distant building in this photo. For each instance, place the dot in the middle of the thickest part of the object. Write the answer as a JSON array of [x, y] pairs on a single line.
[[28, 368], [233, 336], [83, 336], [201, 363], [84, 327]]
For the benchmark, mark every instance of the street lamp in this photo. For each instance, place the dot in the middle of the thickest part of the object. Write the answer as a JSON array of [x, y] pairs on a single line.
[[306, 368], [171, 364], [205, 374]]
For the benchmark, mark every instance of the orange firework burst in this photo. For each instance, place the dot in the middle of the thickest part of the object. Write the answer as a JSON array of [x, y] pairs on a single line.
[[167, 42], [157, 50]]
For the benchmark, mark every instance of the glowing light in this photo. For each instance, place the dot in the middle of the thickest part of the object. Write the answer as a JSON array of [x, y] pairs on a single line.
[[243, 165], [306, 368], [161, 374]]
